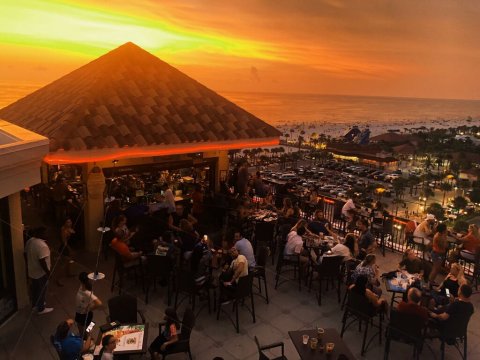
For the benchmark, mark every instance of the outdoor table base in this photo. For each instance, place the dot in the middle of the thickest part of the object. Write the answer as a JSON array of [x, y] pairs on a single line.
[[330, 335]]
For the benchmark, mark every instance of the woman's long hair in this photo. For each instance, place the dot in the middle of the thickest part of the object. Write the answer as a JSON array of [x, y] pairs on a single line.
[[351, 243], [369, 260], [457, 270]]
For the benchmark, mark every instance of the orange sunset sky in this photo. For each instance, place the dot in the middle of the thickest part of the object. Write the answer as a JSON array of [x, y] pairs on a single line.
[[427, 48]]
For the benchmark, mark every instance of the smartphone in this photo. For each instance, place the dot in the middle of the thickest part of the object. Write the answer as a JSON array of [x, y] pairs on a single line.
[[90, 327], [447, 292]]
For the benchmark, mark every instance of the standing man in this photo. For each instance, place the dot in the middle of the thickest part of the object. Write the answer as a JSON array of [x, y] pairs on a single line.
[[244, 247], [242, 178], [38, 264]]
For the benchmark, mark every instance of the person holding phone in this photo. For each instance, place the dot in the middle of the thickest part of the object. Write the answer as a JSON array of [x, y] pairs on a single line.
[[69, 345], [85, 302], [448, 289]]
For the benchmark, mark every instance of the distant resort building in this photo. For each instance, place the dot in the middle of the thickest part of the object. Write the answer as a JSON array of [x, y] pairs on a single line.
[[370, 155], [129, 112]]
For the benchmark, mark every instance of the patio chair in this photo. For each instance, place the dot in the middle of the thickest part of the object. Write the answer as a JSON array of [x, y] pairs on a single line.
[[124, 309], [330, 269], [159, 267], [122, 269], [259, 271], [262, 348], [360, 310], [183, 343], [453, 332], [405, 328], [243, 290]]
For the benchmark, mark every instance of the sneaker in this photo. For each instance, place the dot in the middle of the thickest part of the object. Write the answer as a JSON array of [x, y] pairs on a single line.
[[45, 311]]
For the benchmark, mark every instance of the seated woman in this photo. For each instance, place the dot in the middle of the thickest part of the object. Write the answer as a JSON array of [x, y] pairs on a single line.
[[349, 248], [109, 343], [452, 283], [128, 256], [411, 263], [360, 287], [168, 336], [188, 237], [287, 210], [471, 242], [369, 269]]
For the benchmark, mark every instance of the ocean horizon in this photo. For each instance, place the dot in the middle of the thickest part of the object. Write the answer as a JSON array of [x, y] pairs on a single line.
[[332, 112], [279, 109]]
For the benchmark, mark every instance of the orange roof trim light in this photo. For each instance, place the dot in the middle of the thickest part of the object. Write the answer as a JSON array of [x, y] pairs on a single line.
[[72, 157]]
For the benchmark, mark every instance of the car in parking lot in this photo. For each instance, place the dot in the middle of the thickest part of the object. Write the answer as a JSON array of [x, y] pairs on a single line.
[[288, 176]]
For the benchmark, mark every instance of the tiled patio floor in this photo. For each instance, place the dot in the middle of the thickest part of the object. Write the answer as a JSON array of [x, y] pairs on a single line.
[[289, 309]]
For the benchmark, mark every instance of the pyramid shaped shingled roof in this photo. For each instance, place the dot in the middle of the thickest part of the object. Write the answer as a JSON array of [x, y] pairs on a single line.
[[130, 98]]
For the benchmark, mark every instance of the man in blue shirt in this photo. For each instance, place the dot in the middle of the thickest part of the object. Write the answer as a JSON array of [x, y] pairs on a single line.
[[245, 248], [70, 346], [320, 224]]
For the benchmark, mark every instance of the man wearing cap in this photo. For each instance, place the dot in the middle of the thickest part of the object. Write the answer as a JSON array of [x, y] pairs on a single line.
[[424, 230]]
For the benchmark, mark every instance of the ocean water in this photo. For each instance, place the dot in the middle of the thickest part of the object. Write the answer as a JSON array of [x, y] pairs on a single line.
[[340, 111], [331, 114]]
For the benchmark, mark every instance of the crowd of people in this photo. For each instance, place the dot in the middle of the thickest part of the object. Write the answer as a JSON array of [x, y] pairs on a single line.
[[180, 230]]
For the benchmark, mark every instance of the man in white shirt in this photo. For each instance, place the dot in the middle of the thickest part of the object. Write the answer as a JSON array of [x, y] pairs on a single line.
[[347, 209], [424, 230], [38, 264], [244, 248], [239, 267], [294, 244]]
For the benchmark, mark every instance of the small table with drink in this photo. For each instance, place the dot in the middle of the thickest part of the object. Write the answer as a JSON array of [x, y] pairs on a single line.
[[398, 285], [319, 344]]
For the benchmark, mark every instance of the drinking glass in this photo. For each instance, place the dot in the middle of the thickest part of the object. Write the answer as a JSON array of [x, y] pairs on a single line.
[[313, 343], [320, 332], [329, 347], [305, 339]]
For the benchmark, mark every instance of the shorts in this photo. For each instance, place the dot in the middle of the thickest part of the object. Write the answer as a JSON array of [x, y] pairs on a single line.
[[436, 257], [83, 319]]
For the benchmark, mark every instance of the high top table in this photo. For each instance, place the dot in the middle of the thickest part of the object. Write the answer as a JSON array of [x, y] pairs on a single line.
[[330, 335]]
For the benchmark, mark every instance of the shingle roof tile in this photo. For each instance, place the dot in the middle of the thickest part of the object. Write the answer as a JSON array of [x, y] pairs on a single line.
[[129, 97]]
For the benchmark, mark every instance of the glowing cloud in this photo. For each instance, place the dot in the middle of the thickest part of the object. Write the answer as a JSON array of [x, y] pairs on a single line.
[[91, 29]]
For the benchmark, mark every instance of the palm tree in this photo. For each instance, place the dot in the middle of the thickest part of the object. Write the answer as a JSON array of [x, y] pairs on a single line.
[[413, 181], [445, 186], [428, 162], [300, 141]]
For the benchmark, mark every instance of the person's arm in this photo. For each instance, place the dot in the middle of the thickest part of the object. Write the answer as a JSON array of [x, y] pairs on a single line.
[[86, 344], [173, 339], [95, 304], [443, 316], [238, 271]]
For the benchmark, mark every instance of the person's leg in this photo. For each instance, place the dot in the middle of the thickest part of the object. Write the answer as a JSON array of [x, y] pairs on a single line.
[[39, 289], [435, 269]]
